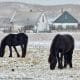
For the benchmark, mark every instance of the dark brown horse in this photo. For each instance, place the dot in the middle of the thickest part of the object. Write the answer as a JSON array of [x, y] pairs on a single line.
[[62, 46], [13, 40]]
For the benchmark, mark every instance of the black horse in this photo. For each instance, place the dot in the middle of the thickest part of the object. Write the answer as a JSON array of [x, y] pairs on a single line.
[[13, 40], [62, 46]]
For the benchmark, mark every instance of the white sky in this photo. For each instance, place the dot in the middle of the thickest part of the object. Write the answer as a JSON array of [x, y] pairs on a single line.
[[45, 2]]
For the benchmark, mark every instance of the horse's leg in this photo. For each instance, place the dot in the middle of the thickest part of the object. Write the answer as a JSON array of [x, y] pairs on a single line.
[[60, 59], [70, 58], [10, 51], [24, 50], [65, 60], [16, 51]]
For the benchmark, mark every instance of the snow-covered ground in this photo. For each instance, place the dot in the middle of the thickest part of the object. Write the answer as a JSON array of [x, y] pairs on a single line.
[[35, 65], [44, 40]]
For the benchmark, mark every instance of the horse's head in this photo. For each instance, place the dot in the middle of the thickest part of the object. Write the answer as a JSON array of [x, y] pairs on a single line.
[[2, 48], [52, 60], [1, 55]]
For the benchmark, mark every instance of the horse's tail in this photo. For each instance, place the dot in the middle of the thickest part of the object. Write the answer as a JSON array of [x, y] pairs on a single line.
[[25, 46]]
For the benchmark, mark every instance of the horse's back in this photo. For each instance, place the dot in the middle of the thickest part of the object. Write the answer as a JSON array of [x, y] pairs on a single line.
[[15, 39], [69, 40], [62, 42], [22, 35]]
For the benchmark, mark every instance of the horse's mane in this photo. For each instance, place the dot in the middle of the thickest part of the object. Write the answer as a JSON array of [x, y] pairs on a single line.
[[3, 41], [52, 48]]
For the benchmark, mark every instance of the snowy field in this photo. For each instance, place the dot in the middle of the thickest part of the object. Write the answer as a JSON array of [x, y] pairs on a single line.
[[35, 65]]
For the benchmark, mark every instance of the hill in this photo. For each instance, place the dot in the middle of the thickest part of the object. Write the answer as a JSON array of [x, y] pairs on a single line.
[[8, 8]]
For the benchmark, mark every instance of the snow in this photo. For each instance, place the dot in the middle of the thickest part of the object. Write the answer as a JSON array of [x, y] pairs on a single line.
[[45, 39], [35, 65]]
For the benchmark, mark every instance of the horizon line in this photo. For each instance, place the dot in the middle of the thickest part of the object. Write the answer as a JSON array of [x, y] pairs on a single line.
[[39, 4]]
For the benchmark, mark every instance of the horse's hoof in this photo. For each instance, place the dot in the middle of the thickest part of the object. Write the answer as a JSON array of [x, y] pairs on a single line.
[[71, 67], [10, 56], [18, 56], [23, 56], [60, 67], [1, 56], [65, 67]]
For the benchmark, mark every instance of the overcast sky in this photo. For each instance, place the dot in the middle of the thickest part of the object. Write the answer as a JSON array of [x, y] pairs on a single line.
[[45, 2]]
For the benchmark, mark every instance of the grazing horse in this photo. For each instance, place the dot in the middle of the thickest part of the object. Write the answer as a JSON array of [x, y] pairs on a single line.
[[62, 46], [13, 40]]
